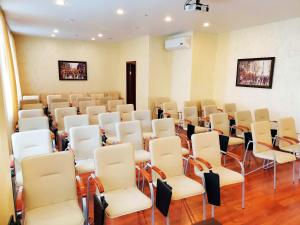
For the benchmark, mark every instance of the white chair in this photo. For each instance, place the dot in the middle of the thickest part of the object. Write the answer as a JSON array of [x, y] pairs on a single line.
[[243, 120], [190, 116], [73, 99], [112, 105], [60, 114], [84, 140], [31, 97], [33, 123], [54, 105], [82, 105], [207, 110], [114, 95], [166, 164], [51, 97], [144, 116], [115, 178], [93, 112], [206, 146], [32, 106], [50, 194], [264, 115], [30, 113], [125, 111], [170, 110], [263, 148], [26, 144], [230, 109], [131, 132], [107, 123], [75, 121]]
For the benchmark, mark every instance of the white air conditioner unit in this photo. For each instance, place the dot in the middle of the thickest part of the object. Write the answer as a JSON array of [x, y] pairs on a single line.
[[178, 43]]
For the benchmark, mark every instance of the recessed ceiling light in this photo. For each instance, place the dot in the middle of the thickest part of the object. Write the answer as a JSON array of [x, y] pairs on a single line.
[[55, 31], [168, 18], [60, 2], [206, 24], [100, 35], [53, 35], [93, 39], [120, 11]]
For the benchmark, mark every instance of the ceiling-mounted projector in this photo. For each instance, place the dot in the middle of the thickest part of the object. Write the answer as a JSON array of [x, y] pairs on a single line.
[[195, 5]]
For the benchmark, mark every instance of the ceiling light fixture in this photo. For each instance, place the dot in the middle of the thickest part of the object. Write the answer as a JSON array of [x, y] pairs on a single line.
[[53, 35], [120, 11], [206, 24], [93, 39], [60, 2], [100, 35], [56, 31], [168, 18]]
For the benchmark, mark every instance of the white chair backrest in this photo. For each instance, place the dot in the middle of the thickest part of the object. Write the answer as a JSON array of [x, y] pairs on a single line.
[[171, 107], [107, 122], [29, 143], [166, 155], [261, 131], [50, 97], [144, 116], [112, 105], [49, 179], [54, 105], [262, 115], [75, 121], [84, 140], [130, 132], [60, 114], [219, 121], [28, 113], [115, 166], [286, 128], [96, 96], [73, 99], [209, 109], [159, 101], [94, 111], [206, 102], [32, 106], [125, 111], [230, 109], [163, 127], [84, 104], [243, 118], [103, 101], [33, 123], [191, 114], [31, 97]]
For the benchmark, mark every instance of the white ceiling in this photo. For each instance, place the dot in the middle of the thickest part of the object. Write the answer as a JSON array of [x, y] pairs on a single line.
[[84, 19]]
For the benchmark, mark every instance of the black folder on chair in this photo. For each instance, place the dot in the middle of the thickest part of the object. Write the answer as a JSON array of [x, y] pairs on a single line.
[[212, 186], [224, 140], [99, 210], [247, 138], [159, 113], [163, 197], [232, 123], [190, 131]]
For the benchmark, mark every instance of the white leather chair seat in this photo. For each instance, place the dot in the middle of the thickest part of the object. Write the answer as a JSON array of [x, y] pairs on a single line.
[[227, 176], [65, 213], [126, 201], [235, 141], [141, 156], [148, 135], [85, 166], [185, 151], [281, 157], [184, 187], [199, 129], [291, 148]]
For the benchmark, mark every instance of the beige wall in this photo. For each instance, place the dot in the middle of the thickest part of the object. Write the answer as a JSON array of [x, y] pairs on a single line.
[[38, 66], [279, 39]]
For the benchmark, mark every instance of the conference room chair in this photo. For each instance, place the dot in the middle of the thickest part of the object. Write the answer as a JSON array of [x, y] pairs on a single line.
[[288, 137], [230, 109], [243, 120], [131, 132], [60, 114], [51, 97], [207, 110], [31, 97], [50, 192], [263, 149], [82, 105], [32, 106], [207, 146], [103, 101], [115, 178], [190, 116], [206, 102], [59, 104], [79, 99], [264, 115], [170, 110], [93, 112], [26, 144], [107, 123], [194, 103], [144, 116], [28, 101], [112, 105], [166, 164], [33, 123], [125, 111], [158, 105], [28, 113], [114, 95], [73, 99], [220, 123], [75, 121], [84, 140]]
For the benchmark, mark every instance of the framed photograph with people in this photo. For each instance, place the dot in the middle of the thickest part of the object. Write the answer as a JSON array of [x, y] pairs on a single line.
[[255, 72], [72, 70]]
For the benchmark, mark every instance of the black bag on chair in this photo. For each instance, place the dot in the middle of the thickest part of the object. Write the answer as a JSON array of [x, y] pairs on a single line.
[[248, 137], [224, 140], [232, 123], [163, 197], [190, 131], [159, 113], [99, 210], [212, 186]]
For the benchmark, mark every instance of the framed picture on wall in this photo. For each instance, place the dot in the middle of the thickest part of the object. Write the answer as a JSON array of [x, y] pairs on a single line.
[[255, 72], [72, 70]]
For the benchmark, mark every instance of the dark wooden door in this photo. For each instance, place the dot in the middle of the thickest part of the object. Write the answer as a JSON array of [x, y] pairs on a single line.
[[131, 83]]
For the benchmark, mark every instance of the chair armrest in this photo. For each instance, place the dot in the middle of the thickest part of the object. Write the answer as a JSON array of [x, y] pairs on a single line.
[[220, 110], [145, 174], [292, 139], [80, 186], [97, 182], [285, 139], [241, 128], [206, 163], [167, 114], [265, 144], [186, 140], [230, 117], [237, 159], [195, 164], [205, 118], [159, 172], [187, 121], [219, 131]]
